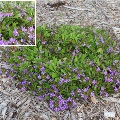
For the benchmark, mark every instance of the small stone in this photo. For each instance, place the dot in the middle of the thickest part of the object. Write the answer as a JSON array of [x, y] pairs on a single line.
[[80, 115], [53, 118]]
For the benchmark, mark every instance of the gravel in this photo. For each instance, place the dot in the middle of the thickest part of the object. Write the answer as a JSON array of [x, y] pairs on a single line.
[[98, 13]]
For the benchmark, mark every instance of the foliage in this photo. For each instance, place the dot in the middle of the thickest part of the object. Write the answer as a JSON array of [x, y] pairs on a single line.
[[68, 64]]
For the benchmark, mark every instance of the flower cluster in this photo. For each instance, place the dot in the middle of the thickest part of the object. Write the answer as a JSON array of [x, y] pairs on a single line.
[[17, 25]]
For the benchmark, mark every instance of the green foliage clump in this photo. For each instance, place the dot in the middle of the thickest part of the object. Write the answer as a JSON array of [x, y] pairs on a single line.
[[69, 63]]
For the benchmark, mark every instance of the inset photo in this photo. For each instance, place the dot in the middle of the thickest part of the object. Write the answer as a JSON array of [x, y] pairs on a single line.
[[17, 23]]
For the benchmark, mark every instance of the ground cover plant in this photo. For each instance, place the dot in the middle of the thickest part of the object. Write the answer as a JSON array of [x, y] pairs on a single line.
[[17, 23], [68, 64]]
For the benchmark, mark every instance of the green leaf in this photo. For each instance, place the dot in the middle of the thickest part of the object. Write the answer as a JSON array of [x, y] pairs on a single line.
[[76, 59], [54, 75], [51, 67], [65, 58], [74, 79], [56, 79], [100, 50], [83, 57], [10, 33], [63, 71], [24, 65], [17, 16]]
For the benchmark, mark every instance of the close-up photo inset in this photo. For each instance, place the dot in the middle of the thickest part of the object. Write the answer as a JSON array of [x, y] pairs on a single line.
[[73, 70], [17, 23]]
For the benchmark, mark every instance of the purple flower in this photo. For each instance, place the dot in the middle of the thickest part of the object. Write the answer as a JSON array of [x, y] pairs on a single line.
[[34, 92], [24, 71], [0, 72], [101, 93], [1, 15], [69, 99], [82, 95], [98, 69], [6, 26], [22, 40], [63, 80], [94, 82], [91, 63], [43, 72], [5, 14], [42, 69], [86, 79], [44, 42], [118, 81], [72, 93], [11, 14], [85, 89], [73, 53], [108, 68], [43, 80], [41, 51], [16, 42], [22, 14], [59, 48], [1, 42], [15, 32], [56, 109], [39, 89], [76, 47], [39, 77], [41, 97], [78, 76], [77, 50], [5, 43], [0, 35], [92, 94], [102, 88], [97, 43], [62, 104], [89, 46], [51, 104], [48, 77], [7, 56], [23, 89], [29, 18], [34, 67], [101, 39], [83, 44], [23, 29], [30, 29], [79, 91], [18, 7], [73, 104], [85, 96], [52, 95], [59, 97], [109, 50], [31, 36], [41, 63], [12, 40], [75, 69], [104, 72], [24, 82], [115, 89], [106, 94]]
